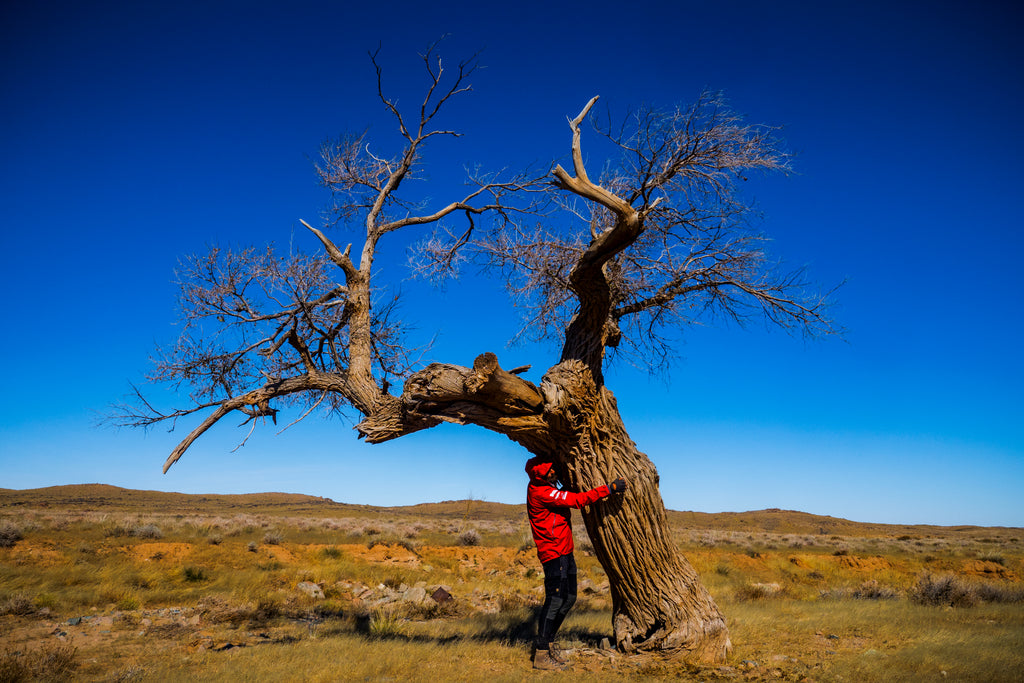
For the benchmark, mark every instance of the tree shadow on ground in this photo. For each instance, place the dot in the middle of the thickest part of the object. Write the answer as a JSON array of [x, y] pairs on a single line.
[[510, 628]]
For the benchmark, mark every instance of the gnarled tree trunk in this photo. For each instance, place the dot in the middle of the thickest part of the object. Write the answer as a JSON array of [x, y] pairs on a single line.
[[658, 600]]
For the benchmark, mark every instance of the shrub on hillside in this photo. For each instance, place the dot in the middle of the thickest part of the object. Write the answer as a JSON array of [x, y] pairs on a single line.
[[9, 535], [952, 591], [385, 623], [869, 590], [469, 537], [128, 603], [758, 591], [194, 574], [331, 552], [989, 592], [18, 604], [872, 590], [943, 591], [50, 662], [147, 531]]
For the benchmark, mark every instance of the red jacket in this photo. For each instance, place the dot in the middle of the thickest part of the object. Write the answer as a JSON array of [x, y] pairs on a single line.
[[548, 508]]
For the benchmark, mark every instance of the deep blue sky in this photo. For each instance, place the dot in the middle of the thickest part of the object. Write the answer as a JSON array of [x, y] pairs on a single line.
[[134, 133]]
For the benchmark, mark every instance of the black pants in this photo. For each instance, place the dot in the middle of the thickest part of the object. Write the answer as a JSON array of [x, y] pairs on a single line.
[[559, 597]]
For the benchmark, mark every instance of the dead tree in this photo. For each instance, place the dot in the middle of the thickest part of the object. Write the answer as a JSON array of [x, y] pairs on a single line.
[[661, 241]]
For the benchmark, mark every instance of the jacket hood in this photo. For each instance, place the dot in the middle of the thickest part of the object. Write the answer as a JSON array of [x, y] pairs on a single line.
[[538, 468]]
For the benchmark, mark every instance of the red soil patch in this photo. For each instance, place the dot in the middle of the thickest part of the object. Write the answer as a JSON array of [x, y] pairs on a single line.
[[986, 569], [44, 555]]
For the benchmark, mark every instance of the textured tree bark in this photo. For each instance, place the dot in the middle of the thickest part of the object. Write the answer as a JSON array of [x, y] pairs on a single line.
[[659, 602]]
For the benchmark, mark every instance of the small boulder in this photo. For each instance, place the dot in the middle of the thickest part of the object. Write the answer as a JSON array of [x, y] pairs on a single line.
[[417, 594], [311, 589]]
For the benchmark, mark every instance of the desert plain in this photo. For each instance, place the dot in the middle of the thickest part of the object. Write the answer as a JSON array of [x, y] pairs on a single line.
[[99, 583]]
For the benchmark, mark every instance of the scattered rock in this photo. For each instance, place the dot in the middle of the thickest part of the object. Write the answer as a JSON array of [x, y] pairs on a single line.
[[201, 643], [441, 596], [311, 589], [417, 595]]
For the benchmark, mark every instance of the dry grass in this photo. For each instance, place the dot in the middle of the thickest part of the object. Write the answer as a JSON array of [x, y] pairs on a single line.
[[178, 588], [50, 662]]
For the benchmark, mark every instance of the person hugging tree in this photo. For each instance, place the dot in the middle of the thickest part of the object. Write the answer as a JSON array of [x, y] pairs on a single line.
[[550, 521]]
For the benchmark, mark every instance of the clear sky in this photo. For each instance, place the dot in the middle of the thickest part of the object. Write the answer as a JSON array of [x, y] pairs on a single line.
[[134, 133]]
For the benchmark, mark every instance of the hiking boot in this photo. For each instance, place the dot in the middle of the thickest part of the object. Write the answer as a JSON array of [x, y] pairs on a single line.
[[542, 659], [558, 656]]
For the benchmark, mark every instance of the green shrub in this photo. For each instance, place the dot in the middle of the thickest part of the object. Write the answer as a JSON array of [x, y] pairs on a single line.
[[385, 624], [194, 574], [128, 603]]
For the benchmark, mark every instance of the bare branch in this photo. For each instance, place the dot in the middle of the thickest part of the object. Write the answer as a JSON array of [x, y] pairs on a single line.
[[581, 184], [340, 258], [669, 241], [258, 327]]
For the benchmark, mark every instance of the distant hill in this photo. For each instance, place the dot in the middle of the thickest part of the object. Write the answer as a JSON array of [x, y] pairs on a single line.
[[113, 498], [803, 523], [100, 496]]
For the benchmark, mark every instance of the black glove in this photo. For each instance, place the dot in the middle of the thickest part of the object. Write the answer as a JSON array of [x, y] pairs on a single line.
[[618, 486]]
